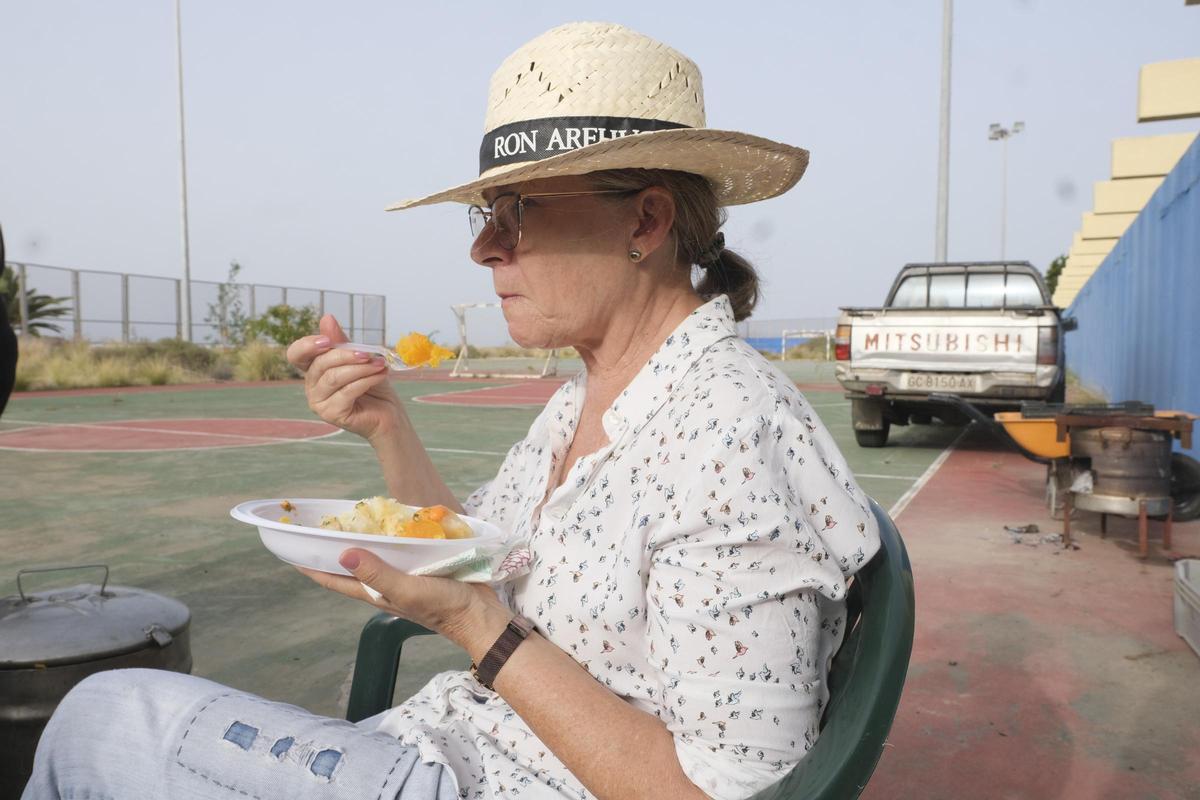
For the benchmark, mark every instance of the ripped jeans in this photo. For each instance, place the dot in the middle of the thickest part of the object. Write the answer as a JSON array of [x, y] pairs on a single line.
[[143, 734]]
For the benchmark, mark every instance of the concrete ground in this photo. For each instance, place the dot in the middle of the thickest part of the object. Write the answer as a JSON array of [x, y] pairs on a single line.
[[1038, 672]]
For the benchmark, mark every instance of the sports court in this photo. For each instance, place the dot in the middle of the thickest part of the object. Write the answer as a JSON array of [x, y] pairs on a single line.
[[142, 480], [1025, 653]]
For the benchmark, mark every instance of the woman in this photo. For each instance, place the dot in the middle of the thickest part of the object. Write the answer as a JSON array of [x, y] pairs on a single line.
[[692, 524]]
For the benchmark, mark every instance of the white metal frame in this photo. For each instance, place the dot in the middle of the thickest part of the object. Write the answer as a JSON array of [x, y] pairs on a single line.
[[804, 334], [462, 364]]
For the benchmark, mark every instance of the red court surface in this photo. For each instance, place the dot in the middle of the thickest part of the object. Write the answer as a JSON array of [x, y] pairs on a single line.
[[160, 434], [1038, 672]]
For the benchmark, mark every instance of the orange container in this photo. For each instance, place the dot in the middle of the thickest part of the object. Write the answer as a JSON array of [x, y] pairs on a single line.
[[1035, 435]]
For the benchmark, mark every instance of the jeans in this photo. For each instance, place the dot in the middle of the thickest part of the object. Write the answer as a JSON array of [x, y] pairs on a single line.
[[143, 734]]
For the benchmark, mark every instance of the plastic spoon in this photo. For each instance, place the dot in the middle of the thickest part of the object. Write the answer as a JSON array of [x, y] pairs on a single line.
[[390, 357]]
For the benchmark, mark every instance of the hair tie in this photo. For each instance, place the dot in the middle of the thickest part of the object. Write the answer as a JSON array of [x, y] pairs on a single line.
[[713, 254]]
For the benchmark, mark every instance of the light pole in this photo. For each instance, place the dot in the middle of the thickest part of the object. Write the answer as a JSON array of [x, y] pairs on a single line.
[[997, 131], [943, 190], [186, 304]]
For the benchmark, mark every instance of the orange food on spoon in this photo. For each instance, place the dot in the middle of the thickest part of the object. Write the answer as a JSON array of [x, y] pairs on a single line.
[[416, 350]]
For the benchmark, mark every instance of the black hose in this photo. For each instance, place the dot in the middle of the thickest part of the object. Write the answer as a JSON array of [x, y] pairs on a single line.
[[989, 423]]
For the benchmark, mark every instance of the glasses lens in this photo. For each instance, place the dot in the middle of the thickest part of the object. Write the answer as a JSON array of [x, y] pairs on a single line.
[[506, 218], [478, 220]]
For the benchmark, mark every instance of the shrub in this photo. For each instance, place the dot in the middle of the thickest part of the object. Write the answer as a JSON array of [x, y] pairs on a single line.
[[283, 324], [108, 372], [56, 364], [259, 361], [33, 352], [188, 356], [158, 371]]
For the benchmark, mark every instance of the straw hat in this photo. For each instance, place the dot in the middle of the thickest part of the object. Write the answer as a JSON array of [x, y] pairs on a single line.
[[591, 96]]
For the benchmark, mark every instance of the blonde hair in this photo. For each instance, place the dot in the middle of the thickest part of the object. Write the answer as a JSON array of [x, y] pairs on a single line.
[[698, 219]]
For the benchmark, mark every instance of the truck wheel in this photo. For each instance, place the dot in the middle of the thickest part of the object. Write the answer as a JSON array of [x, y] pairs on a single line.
[[875, 438], [1185, 487], [1059, 393]]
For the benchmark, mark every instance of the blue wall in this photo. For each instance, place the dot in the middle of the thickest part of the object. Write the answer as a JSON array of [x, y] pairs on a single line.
[[1139, 314]]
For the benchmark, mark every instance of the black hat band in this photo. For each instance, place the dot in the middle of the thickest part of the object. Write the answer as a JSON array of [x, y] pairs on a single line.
[[535, 139]]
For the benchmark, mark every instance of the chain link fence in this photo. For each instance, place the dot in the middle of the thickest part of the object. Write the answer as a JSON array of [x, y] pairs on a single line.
[[124, 307]]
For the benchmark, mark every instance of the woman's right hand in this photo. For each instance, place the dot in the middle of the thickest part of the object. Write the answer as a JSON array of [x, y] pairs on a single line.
[[346, 389]]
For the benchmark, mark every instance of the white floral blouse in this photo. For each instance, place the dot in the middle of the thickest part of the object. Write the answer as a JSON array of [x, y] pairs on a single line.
[[696, 565]]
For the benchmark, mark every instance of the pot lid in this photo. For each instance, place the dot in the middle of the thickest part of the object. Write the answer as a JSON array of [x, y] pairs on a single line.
[[85, 622]]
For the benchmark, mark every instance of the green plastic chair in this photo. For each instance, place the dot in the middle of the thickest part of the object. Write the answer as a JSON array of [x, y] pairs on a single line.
[[865, 680]]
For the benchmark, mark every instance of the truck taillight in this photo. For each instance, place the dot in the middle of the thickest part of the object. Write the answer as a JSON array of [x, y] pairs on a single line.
[[1047, 346], [841, 343]]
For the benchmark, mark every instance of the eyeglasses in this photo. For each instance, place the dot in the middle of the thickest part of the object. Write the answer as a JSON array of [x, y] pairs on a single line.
[[507, 214]]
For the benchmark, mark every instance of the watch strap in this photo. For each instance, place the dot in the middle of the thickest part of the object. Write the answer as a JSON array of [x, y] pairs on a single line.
[[515, 632]]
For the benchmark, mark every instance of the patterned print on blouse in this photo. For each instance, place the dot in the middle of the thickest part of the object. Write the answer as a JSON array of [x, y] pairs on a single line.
[[696, 565]]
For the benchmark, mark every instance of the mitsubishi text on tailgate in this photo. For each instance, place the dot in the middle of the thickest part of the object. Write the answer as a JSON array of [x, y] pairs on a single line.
[[984, 330]]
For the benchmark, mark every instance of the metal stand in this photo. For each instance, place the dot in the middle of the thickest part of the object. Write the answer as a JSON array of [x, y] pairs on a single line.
[[1141, 507]]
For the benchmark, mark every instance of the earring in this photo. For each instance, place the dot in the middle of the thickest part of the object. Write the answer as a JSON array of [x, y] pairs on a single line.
[[635, 255]]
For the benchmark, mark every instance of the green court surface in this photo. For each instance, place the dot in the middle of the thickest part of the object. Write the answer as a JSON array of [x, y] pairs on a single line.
[[160, 520]]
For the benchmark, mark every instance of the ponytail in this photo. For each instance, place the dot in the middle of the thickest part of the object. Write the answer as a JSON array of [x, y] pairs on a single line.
[[731, 275]]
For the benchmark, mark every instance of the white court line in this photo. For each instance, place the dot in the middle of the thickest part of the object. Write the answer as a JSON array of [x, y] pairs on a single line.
[[887, 477], [929, 472], [255, 440], [529, 400]]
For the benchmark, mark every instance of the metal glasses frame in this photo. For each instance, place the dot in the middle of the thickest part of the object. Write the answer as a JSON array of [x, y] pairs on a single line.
[[481, 217]]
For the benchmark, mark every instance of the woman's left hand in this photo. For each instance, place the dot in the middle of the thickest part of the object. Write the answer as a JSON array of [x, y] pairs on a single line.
[[465, 613]]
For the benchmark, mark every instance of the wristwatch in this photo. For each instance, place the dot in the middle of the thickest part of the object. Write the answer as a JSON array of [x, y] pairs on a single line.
[[514, 633]]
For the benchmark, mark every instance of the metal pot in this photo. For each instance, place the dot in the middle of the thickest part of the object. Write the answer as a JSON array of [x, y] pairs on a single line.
[[1127, 462], [51, 640]]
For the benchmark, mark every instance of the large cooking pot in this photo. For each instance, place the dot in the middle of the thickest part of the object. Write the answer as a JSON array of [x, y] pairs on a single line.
[[51, 640], [1126, 462]]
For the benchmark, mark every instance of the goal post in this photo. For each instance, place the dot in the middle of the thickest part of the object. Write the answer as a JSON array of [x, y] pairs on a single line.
[[787, 335], [512, 362]]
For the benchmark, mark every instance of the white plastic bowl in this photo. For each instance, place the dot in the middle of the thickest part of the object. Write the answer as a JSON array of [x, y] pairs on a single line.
[[304, 544]]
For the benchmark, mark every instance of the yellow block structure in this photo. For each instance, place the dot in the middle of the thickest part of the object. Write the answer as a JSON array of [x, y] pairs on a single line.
[[1091, 247], [1169, 90], [1105, 226], [1124, 196], [1148, 156], [1166, 90], [1081, 262]]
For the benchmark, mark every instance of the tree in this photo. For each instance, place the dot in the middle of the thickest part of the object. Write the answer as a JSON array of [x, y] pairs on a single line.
[[41, 307], [227, 314], [283, 324], [1055, 269]]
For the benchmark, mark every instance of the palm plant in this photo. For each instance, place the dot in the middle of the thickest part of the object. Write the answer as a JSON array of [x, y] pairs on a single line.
[[41, 307]]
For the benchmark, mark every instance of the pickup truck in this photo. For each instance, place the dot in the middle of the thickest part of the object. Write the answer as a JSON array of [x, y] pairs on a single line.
[[986, 331]]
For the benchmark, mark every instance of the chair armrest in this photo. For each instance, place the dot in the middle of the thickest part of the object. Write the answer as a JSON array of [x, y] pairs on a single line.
[[377, 664]]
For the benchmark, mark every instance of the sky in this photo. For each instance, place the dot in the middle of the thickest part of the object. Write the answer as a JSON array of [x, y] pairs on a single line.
[[305, 119]]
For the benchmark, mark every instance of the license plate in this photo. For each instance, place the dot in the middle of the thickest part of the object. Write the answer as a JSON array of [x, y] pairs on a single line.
[[941, 382]]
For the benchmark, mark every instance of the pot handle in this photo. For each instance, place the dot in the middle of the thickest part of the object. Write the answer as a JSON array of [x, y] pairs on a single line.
[[32, 570]]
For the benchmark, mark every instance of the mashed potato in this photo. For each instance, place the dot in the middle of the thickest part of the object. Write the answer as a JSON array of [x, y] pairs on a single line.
[[387, 517]]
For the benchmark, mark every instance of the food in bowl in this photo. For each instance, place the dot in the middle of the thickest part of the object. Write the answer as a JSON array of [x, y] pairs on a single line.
[[388, 517], [302, 542]]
